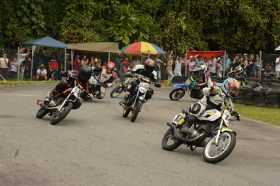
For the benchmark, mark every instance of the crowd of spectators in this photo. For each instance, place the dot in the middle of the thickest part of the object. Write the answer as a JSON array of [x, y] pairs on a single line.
[[221, 66], [13, 66]]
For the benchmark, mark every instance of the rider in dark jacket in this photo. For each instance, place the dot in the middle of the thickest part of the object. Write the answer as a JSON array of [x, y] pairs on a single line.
[[68, 81], [146, 70]]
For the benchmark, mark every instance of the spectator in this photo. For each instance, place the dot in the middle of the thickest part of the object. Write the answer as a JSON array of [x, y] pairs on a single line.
[[53, 68], [4, 66], [277, 67], [97, 62], [212, 66], [13, 68], [85, 61], [159, 68], [191, 64], [177, 67], [77, 63], [41, 73], [219, 67]]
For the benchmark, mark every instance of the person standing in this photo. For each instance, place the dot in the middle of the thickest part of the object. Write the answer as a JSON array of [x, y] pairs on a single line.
[[13, 68], [53, 68], [4, 65], [277, 67], [177, 67], [77, 63]]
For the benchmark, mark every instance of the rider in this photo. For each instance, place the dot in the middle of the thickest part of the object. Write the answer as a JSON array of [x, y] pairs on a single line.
[[68, 81], [217, 96], [147, 70]]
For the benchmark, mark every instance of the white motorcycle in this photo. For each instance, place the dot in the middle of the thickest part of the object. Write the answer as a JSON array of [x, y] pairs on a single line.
[[211, 130]]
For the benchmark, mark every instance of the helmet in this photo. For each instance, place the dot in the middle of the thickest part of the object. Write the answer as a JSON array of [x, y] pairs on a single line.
[[231, 87], [238, 69], [149, 65], [84, 74]]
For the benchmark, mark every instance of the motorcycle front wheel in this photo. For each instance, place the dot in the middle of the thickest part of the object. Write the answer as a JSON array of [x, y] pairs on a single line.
[[58, 116], [167, 138], [136, 110], [41, 113], [214, 153], [177, 94]]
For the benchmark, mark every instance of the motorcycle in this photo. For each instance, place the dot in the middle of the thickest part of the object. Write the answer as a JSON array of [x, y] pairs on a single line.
[[96, 88], [142, 93], [180, 89], [68, 100], [210, 131]]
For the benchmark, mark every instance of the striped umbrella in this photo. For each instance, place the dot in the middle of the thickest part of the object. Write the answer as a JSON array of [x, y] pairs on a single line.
[[139, 48]]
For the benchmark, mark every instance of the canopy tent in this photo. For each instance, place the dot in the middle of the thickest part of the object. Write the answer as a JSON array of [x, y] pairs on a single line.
[[205, 54], [95, 47], [100, 47], [46, 42]]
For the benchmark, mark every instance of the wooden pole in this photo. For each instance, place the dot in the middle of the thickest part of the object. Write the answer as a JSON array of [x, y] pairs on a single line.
[[65, 63]]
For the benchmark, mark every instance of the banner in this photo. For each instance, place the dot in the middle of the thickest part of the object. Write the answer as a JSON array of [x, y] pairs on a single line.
[[205, 54]]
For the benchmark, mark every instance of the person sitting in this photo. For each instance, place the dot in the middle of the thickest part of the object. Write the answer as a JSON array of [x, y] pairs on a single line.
[[42, 73]]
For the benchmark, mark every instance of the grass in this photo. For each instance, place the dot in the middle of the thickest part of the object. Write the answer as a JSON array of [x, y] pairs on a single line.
[[268, 115]]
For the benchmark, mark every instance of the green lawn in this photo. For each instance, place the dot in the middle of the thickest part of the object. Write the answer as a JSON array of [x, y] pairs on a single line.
[[268, 115]]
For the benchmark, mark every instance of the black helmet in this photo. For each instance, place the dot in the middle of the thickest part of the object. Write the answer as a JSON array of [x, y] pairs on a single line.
[[84, 74], [149, 65]]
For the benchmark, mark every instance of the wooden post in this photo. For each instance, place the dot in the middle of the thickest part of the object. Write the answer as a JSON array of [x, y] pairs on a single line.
[[261, 65]]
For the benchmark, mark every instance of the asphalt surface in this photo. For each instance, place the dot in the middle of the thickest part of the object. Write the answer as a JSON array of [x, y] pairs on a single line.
[[95, 146]]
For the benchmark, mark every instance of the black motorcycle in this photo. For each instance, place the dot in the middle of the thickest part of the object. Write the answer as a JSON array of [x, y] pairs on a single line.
[[139, 94]]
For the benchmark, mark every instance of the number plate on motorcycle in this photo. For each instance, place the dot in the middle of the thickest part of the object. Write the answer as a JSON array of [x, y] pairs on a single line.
[[179, 119]]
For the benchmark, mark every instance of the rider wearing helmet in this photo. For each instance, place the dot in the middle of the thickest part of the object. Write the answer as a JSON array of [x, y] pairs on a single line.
[[68, 81], [217, 96], [201, 75], [146, 70]]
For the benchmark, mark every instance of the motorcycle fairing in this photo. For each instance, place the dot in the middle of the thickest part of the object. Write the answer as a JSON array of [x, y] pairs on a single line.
[[180, 85], [210, 115]]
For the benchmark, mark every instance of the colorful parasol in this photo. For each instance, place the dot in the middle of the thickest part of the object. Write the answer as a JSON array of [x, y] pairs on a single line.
[[138, 48]]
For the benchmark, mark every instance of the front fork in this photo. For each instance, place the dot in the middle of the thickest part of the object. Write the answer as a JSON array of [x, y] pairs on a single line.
[[63, 103]]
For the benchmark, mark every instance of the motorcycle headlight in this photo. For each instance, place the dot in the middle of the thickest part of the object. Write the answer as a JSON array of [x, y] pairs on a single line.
[[76, 91], [142, 90]]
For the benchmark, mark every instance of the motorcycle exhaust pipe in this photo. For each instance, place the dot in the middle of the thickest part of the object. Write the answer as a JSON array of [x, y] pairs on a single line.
[[180, 137]]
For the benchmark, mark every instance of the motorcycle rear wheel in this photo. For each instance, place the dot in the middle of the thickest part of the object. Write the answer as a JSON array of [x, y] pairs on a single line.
[[226, 150], [59, 116], [167, 136], [177, 94]]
